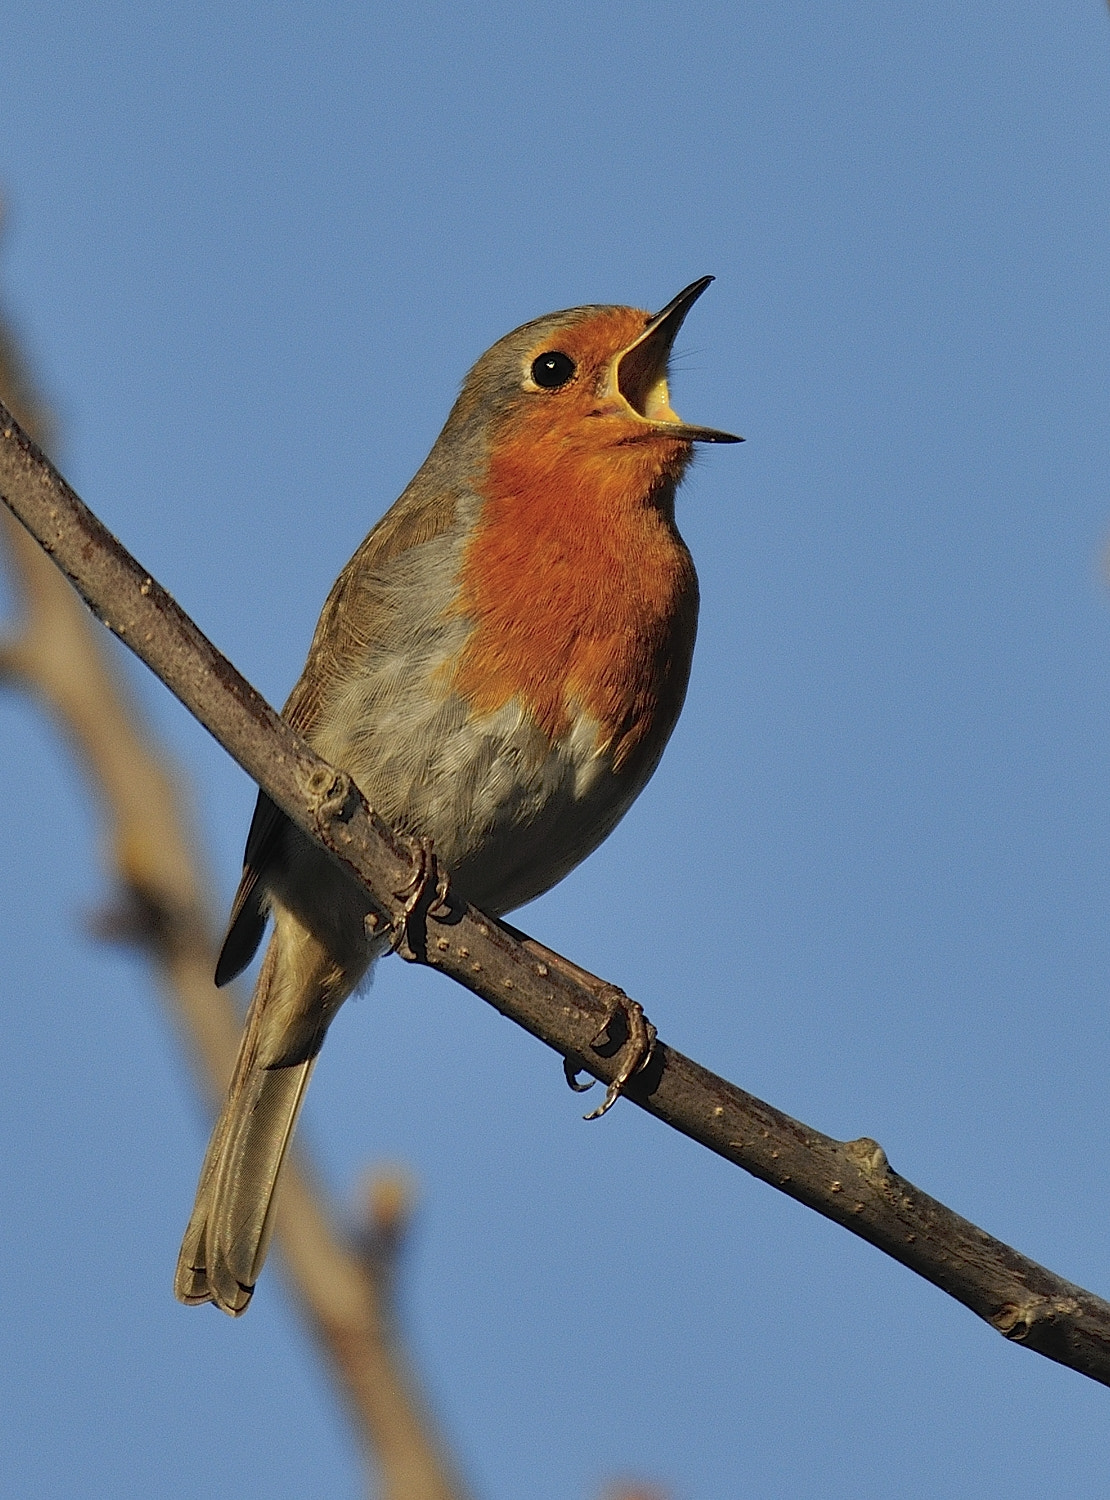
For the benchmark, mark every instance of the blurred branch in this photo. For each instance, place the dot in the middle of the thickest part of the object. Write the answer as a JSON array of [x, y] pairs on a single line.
[[849, 1182], [345, 1296], [635, 1492]]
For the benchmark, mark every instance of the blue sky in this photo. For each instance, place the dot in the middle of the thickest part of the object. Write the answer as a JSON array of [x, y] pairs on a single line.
[[252, 250]]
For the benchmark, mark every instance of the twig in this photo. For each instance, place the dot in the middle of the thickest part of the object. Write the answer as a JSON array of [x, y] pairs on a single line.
[[849, 1182]]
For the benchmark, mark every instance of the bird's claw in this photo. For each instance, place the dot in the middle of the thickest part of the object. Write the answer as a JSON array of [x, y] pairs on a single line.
[[571, 1070], [634, 1051], [428, 875]]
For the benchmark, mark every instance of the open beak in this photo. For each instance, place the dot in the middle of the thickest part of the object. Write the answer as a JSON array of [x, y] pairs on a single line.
[[640, 371]]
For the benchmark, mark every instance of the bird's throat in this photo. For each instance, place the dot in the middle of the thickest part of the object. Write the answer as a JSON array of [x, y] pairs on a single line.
[[582, 593]]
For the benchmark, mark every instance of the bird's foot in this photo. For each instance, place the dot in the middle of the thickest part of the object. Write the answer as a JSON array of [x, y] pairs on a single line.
[[427, 877], [571, 1070], [625, 1033]]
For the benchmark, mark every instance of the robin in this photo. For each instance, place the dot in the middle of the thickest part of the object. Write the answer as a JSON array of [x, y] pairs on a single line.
[[498, 667]]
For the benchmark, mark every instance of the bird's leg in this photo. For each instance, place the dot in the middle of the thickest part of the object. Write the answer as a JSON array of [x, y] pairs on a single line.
[[634, 1051], [427, 875], [639, 1034]]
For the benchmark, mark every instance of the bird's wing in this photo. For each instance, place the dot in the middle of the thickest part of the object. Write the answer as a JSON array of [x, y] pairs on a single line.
[[337, 643]]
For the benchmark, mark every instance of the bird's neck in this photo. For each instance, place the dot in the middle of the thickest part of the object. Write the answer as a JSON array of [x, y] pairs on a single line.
[[582, 593]]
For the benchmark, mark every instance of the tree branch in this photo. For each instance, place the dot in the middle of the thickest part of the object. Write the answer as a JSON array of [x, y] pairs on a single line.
[[849, 1182], [345, 1295]]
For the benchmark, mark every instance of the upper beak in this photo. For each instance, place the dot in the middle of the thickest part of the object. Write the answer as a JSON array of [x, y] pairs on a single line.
[[641, 371]]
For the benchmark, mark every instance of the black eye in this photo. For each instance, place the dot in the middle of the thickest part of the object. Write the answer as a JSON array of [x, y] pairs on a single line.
[[553, 369]]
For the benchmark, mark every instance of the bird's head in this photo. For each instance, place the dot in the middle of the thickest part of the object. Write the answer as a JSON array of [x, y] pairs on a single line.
[[590, 378]]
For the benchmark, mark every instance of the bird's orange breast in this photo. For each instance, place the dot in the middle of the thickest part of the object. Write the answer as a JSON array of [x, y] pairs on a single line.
[[582, 594]]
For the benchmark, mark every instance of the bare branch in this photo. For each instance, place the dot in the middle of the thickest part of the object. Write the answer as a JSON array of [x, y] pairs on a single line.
[[347, 1301], [849, 1182]]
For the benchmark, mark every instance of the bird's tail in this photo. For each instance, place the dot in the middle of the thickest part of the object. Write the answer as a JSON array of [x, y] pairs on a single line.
[[225, 1244]]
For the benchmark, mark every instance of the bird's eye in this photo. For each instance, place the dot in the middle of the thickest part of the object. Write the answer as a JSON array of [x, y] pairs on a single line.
[[553, 369]]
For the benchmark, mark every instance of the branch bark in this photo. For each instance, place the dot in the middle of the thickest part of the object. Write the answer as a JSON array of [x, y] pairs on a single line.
[[849, 1182]]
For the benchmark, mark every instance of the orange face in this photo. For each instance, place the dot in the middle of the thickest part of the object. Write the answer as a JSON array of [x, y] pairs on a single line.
[[579, 585], [596, 383]]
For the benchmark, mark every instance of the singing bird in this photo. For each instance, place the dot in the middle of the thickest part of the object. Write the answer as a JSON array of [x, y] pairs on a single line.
[[498, 667]]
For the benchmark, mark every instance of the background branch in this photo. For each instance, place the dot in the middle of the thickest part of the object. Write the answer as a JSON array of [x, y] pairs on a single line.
[[344, 1293], [849, 1182]]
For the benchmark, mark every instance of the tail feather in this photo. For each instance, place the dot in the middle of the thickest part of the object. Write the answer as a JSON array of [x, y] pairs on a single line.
[[299, 989], [228, 1236]]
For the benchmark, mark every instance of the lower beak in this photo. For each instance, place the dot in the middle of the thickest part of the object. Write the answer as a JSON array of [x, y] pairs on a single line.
[[640, 371]]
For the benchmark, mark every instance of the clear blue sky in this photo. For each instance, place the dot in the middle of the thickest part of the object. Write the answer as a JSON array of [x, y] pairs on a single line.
[[252, 250]]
